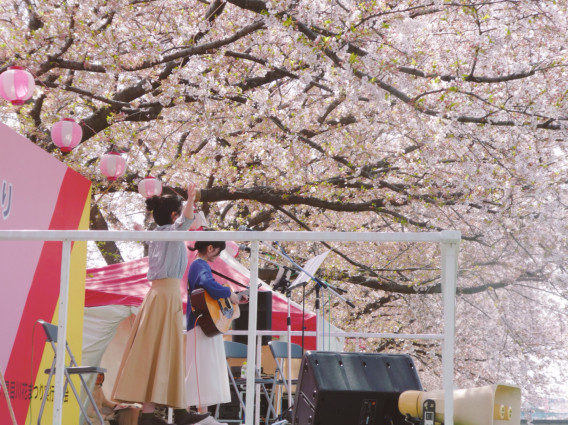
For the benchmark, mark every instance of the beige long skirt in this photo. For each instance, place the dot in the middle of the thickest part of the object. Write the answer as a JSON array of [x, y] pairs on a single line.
[[153, 365]]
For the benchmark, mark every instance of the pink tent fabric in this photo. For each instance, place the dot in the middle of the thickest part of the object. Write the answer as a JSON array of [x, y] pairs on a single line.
[[117, 284], [126, 284]]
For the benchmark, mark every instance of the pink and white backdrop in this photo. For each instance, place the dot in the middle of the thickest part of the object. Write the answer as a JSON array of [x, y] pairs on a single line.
[[37, 192]]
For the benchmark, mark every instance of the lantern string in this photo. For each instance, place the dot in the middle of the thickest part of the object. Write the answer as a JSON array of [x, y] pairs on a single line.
[[44, 86], [27, 69], [9, 47], [84, 124]]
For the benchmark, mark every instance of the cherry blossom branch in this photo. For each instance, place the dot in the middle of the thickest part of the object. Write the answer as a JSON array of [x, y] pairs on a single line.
[[85, 93], [201, 49], [260, 7]]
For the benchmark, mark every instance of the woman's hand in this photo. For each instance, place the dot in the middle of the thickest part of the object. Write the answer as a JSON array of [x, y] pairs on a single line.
[[234, 298], [188, 209], [191, 191]]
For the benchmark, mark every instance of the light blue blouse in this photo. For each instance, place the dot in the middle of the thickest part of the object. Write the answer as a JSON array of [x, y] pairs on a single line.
[[168, 259]]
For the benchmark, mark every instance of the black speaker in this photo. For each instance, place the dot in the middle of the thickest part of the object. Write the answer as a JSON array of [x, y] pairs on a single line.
[[352, 388], [263, 319]]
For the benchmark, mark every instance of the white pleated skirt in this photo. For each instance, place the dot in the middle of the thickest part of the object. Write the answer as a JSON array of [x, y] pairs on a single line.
[[207, 379]]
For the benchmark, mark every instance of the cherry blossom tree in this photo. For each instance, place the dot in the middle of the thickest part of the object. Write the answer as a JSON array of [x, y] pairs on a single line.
[[337, 115]]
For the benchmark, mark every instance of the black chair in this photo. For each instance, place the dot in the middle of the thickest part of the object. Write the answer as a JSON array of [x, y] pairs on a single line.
[[72, 369], [279, 350], [237, 350]]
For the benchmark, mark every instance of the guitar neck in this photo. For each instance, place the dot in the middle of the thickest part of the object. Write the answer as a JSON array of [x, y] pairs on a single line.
[[241, 294]]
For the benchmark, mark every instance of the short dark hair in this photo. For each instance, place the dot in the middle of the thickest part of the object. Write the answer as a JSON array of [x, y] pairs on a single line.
[[162, 208], [201, 246]]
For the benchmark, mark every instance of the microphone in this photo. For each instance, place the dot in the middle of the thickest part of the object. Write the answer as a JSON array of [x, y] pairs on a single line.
[[281, 282], [244, 247], [243, 228]]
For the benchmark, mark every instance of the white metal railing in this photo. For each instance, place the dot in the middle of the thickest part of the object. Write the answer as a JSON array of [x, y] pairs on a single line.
[[340, 334], [449, 241]]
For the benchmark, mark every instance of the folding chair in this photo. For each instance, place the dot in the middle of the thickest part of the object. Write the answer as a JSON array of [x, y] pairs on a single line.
[[73, 369], [237, 350], [7, 395], [279, 350]]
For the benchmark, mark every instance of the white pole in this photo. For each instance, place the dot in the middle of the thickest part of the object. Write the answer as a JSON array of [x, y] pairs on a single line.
[[257, 387], [251, 348], [289, 352], [450, 245], [61, 332], [199, 235]]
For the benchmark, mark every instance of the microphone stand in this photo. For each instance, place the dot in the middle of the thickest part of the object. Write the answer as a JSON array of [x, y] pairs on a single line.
[[319, 284], [288, 288], [282, 284]]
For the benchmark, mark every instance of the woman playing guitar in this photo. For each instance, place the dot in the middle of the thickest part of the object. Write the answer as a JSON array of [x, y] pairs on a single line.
[[206, 382]]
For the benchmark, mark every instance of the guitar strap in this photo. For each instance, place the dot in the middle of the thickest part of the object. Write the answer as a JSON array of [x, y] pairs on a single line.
[[229, 279], [224, 277]]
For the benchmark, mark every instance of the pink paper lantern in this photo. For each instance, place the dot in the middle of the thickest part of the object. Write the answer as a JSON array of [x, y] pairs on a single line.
[[112, 165], [232, 248], [149, 187], [16, 85], [66, 134]]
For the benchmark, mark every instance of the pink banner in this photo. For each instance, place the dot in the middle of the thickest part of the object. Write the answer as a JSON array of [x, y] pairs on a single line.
[[37, 192]]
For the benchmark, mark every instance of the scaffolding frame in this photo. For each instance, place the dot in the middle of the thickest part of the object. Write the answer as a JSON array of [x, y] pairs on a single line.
[[448, 239]]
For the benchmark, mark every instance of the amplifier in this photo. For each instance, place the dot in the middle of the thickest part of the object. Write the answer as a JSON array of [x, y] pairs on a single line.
[[352, 388]]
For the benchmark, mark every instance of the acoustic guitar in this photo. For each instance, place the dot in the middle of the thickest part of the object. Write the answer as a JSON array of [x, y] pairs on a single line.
[[216, 315]]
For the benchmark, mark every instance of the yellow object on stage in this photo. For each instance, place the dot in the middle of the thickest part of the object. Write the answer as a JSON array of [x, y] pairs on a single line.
[[488, 405]]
